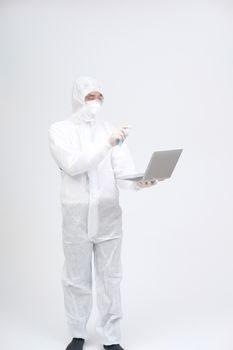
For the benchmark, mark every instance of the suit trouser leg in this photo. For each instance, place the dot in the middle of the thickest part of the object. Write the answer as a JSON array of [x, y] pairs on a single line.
[[77, 286], [108, 275]]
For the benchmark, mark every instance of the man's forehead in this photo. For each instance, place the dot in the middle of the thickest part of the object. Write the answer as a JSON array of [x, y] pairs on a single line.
[[94, 93]]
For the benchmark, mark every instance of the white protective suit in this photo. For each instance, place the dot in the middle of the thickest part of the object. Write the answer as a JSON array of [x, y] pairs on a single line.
[[91, 214]]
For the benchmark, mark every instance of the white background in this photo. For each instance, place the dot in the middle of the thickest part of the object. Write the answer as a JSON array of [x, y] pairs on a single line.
[[166, 67]]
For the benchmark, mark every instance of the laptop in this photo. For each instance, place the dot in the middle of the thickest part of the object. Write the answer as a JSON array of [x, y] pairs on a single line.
[[161, 166]]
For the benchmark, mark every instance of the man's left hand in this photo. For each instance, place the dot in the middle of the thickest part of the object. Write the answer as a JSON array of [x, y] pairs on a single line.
[[147, 183]]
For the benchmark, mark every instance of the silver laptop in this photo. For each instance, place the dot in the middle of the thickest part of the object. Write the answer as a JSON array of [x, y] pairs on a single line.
[[161, 166]]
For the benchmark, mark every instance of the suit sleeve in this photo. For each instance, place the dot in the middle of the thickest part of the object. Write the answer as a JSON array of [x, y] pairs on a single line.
[[123, 164], [71, 160]]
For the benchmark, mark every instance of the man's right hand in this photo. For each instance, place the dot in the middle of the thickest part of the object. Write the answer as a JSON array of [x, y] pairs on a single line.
[[117, 135]]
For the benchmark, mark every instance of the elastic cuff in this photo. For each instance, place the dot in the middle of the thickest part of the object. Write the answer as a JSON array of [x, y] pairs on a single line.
[[137, 188], [108, 145]]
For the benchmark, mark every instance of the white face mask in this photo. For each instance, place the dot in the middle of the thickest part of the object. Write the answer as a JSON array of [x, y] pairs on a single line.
[[92, 107]]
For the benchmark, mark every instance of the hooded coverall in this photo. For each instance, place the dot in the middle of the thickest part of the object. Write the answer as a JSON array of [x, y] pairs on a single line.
[[91, 214]]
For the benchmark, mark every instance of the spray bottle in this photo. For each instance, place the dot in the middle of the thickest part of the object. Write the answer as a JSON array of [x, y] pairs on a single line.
[[126, 128]]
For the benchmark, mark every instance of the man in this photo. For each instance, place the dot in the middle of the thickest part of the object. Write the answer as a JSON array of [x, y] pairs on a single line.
[[87, 151]]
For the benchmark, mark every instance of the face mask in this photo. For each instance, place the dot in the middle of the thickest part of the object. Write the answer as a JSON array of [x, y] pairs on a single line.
[[92, 107]]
